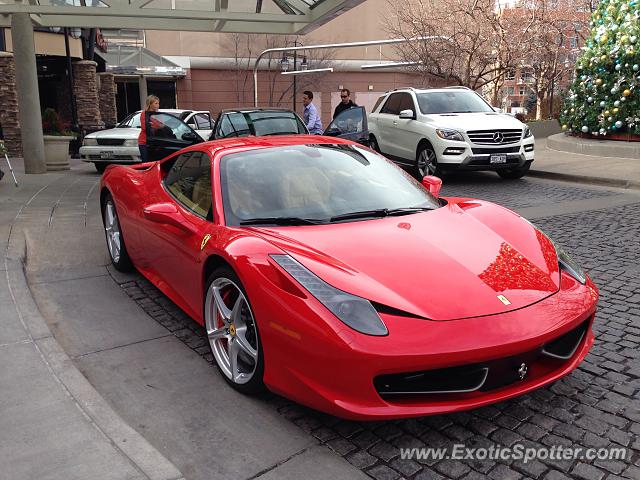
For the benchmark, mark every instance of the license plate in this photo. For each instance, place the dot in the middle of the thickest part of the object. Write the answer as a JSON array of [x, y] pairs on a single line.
[[106, 155], [497, 159]]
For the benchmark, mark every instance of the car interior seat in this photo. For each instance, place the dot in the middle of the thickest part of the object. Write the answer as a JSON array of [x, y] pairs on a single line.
[[302, 187]]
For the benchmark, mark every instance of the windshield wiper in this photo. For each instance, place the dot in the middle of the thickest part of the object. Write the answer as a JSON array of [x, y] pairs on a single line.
[[379, 213], [281, 221]]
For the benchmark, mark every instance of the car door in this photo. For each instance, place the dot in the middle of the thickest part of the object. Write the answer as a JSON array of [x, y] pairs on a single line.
[[201, 123], [386, 129], [167, 134], [405, 136], [176, 227], [350, 124]]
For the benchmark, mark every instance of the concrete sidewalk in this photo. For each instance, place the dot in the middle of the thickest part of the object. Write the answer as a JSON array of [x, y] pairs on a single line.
[[92, 387], [575, 167]]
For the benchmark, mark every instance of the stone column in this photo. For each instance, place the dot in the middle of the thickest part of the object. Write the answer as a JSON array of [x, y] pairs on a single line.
[[28, 93], [85, 88], [142, 85], [107, 97], [9, 105]]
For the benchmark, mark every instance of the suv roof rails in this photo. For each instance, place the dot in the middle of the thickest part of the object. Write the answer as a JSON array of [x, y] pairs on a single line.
[[459, 87]]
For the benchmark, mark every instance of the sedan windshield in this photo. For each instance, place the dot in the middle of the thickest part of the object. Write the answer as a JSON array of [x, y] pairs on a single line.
[[316, 184], [452, 101]]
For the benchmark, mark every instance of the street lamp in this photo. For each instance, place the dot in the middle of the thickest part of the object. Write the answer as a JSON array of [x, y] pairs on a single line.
[[284, 66]]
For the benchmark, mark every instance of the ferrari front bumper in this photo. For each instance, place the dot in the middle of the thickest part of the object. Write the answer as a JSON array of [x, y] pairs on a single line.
[[338, 371]]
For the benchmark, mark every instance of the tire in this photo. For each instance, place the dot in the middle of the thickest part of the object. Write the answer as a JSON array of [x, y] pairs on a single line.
[[100, 166], [113, 233], [427, 163], [373, 144], [514, 173], [233, 332]]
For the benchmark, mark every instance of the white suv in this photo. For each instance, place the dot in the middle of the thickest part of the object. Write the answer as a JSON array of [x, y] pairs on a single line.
[[435, 130]]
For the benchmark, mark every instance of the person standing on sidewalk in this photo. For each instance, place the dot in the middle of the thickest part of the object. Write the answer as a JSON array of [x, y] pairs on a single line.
[[311, 117], [152, 104], [345, 102]]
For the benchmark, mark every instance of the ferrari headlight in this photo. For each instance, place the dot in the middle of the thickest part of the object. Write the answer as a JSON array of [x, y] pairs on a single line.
[[356, 312], [527, 132], [570, 266], [132, 142], [565, 262], [448, 134], [90, 142]]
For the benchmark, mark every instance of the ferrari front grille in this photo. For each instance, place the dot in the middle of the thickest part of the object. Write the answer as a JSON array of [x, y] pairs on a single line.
[[485, 376]]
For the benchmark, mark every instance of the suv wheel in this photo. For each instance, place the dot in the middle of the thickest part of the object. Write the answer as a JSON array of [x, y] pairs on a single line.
[[514, 173], [427, 163]]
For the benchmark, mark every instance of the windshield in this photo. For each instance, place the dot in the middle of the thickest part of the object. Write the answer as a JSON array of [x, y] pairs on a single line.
[[453, 101], [131, 121], [303, 184]]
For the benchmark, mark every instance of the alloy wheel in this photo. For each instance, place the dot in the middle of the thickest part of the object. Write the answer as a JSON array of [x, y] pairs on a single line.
[[112, 229], [427, 162], [231, 330]]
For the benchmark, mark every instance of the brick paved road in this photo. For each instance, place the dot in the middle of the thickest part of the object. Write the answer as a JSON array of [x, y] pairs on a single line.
[[596, 406]]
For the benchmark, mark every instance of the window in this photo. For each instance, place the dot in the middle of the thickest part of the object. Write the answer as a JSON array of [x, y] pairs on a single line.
[[406, 103], [203, 121], [510, 74], [392, 105], [509, 90], [233, 125], [573, 42], [348, 121], [189, 182], [521, 91], [378, 102]]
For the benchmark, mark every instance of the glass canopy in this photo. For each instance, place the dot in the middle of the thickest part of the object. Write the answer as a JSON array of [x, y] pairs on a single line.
[[253, 16]]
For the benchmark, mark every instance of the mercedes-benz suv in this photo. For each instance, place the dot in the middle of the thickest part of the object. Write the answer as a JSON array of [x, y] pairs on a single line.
[[438, 130]]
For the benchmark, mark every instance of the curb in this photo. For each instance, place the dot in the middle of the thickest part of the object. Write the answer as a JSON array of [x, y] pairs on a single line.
[[594, 148], [86, 398], [585, 179]]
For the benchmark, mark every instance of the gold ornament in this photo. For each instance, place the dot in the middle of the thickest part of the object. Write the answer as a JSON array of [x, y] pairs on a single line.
[[616, 110], [598, 81], [603, 58], [604, 38], [626, 92], [607, 113], [565, 126]]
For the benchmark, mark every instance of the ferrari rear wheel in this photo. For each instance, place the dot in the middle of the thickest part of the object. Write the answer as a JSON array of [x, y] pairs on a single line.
[[115, 239], [233, 333]]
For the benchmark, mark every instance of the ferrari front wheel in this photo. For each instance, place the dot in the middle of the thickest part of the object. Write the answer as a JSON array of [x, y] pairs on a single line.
[[115, 239], [232, 332]]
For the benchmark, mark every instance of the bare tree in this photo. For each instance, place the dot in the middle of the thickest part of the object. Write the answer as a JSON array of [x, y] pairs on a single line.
[[475, 47], [244, 49]]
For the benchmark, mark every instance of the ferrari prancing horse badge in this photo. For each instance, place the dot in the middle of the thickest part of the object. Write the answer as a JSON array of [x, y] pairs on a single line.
[[204, 241]]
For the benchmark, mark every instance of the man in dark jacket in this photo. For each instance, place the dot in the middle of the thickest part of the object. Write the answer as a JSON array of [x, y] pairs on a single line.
[[345, 102]]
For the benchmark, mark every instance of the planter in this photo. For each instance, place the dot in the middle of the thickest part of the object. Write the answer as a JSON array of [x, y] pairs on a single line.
[[56, 152]]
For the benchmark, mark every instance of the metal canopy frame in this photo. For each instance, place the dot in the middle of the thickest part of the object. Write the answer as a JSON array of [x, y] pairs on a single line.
[[258, 16]]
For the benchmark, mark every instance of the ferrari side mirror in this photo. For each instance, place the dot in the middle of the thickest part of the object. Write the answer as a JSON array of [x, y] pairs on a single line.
[[433, 184]]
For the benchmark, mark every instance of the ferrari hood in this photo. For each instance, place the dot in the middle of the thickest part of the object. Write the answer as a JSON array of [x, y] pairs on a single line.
[[463, 260], [477, 121]]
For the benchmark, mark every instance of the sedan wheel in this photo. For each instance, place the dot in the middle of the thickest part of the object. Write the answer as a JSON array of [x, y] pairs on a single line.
[[233, 333], [115, 240]]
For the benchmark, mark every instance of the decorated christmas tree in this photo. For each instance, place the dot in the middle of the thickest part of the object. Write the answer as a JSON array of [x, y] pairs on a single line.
[[605, 95]]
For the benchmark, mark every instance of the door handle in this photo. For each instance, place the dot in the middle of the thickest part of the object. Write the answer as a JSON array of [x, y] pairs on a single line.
[[395, 123]]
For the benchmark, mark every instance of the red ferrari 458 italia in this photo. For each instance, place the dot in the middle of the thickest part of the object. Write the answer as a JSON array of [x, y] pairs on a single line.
[[327, 274]]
